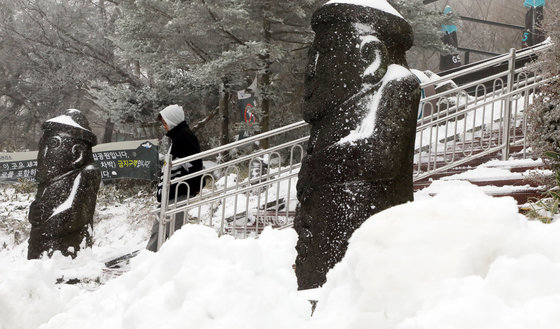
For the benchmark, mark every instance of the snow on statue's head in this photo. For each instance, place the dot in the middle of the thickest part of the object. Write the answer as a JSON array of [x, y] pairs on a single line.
[[355, 41], [65, 145]]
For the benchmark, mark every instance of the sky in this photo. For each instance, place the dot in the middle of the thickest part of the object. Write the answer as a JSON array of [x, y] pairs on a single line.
[[453, 258]]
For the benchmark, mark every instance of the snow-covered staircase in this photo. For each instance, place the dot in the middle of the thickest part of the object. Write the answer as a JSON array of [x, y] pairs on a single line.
[[521, 179], [467, 127]]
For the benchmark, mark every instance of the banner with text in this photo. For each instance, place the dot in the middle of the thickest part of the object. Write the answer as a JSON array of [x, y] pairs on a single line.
[[133, 159]]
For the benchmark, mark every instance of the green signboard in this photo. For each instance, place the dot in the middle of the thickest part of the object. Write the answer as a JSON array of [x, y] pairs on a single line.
[[133, 159]]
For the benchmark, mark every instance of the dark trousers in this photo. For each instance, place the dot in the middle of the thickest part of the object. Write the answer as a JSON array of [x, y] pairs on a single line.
[[179, 219]]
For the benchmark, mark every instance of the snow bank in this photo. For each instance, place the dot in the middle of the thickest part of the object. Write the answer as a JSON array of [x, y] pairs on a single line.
[[198, 280], [459, 260], [29, 294]]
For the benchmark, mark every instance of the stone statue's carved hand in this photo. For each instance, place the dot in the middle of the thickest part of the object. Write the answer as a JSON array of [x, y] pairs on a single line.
[[35, 213]]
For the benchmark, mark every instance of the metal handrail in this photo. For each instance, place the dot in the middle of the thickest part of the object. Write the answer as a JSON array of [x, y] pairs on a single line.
[[456, 163], [249, 185], [504, 58], [235, 161], [242, 142], [498, 112], [459, 113], [245, 189]]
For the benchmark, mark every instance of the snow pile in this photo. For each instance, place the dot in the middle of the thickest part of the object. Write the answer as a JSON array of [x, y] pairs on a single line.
[[197, 280], [460, 259], [28, 293], [481, 173]]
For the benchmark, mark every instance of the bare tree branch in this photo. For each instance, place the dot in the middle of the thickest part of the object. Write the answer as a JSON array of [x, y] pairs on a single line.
[[200, 124], [221, 28]]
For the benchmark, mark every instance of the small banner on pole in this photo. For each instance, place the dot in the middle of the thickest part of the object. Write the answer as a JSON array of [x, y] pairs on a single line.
[[449, 61], [533, 34], [246, 104], [133, 159]]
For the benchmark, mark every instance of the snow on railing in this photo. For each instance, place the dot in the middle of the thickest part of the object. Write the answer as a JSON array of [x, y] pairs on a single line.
[[253, 189]]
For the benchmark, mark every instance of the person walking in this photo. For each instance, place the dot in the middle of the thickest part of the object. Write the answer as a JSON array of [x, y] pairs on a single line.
[[183, 144]]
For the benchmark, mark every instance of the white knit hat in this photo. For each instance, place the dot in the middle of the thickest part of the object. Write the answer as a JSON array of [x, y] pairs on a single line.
[[173, 115]]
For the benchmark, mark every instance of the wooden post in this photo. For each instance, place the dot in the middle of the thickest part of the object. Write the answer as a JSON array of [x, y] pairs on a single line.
[[108, 133], [224, 115]]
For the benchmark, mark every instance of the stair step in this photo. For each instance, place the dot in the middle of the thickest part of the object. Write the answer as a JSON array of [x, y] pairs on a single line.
[[524, 187], [510, 178], [522, 197], [501, 181]]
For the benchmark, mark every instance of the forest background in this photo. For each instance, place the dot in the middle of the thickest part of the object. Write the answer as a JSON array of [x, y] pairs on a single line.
[[121, 61]]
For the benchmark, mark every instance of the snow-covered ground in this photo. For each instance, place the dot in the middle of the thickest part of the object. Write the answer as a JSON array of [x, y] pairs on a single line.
[[459, 259]]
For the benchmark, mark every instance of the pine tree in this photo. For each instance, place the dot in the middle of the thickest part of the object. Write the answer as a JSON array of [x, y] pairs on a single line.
[[50, 50], [186, 48], [427, 25]]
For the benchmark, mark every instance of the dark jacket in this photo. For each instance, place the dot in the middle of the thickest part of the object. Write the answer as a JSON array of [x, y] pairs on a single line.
[[183, 144]]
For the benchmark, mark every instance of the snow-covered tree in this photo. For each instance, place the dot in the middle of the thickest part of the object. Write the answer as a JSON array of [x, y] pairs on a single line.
[[426, 22], [132, 57], [182, 50], [50, 50]]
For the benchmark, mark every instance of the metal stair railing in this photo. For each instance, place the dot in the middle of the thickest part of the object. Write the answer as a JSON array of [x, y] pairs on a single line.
[[257, 188], [477, 119], [241, 191]]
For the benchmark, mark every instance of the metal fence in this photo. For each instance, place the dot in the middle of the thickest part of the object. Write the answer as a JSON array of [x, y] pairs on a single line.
[[246, 190], [253, 189], [486, 116]]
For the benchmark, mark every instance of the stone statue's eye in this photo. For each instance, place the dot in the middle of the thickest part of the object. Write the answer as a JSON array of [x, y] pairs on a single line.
[[54, 142], [324, 45]]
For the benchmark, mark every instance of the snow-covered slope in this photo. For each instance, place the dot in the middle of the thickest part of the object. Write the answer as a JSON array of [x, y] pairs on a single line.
[[460, 259]]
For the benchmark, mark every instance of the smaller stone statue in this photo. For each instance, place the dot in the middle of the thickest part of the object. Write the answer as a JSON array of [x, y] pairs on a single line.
[[61, 216]]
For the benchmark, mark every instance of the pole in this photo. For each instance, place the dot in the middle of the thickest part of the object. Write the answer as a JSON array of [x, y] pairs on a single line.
[[507, 110], [533, 25], [164, 199]]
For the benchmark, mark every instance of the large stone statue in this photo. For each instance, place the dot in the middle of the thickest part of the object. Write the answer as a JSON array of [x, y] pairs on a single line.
[[62, 214], [361, 101]]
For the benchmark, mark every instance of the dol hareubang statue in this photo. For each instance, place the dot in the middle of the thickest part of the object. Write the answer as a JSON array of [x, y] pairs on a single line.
[[361, 101], [61, 216]]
